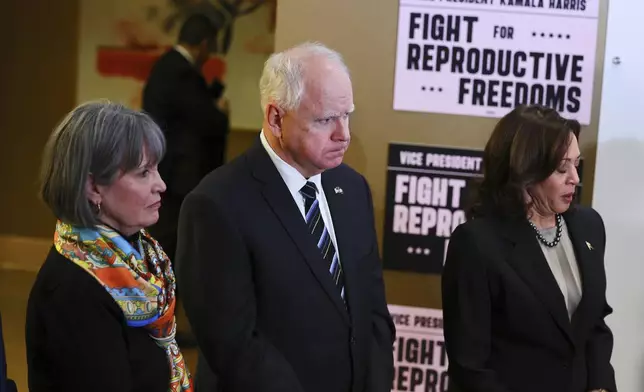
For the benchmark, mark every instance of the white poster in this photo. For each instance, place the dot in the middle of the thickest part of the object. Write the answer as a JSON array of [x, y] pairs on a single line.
[[483, 57], [420, 359]]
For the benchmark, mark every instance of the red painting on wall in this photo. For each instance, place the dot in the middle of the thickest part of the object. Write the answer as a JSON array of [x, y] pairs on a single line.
[[140, 33]]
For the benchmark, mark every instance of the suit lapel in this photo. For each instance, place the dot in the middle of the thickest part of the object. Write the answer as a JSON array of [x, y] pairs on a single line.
[[339, 205], [281, 201], [529, 262], [587, 257]]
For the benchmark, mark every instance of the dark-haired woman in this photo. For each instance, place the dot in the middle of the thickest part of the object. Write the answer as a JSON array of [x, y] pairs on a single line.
[[524, 281]]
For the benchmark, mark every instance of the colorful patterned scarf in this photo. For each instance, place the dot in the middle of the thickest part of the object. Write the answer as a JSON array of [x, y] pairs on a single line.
[[140, 280]]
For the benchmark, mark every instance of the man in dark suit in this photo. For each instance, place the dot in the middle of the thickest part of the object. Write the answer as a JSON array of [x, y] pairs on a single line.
[[192, 115], [194, 118], [277, 253]]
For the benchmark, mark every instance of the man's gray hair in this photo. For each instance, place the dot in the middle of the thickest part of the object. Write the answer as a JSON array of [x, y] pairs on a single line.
[[99, 139], [282, 80]]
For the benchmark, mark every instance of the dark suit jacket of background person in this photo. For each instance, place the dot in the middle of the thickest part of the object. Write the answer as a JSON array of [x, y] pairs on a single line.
[[506, 324], [78, 340], [261, 302], [6, 384], [179, 100]]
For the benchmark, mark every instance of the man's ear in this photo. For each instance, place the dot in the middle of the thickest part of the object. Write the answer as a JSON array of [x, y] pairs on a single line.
[[92, 191], [275, 117]]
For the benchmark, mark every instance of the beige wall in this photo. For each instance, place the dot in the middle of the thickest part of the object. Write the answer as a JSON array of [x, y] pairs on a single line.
[[364, 31], [37, 79]]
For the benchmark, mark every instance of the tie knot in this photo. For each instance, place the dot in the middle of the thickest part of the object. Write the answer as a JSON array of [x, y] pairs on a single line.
[[309, 190]]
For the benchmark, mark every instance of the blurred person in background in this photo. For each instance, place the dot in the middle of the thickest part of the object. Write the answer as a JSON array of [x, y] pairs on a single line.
[[194, 118], [100, 315], [524, 284]]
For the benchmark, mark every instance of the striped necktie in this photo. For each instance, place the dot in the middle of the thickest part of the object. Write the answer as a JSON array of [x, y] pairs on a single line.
[[320, 234]]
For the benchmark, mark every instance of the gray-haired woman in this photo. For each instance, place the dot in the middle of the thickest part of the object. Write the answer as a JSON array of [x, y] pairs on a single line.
[[101, 312]]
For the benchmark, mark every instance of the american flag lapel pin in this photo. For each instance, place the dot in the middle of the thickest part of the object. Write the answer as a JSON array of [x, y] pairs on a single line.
[[338, 190]]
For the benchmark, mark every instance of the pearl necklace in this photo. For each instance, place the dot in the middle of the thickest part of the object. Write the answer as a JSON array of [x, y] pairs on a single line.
[[541, 238]]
